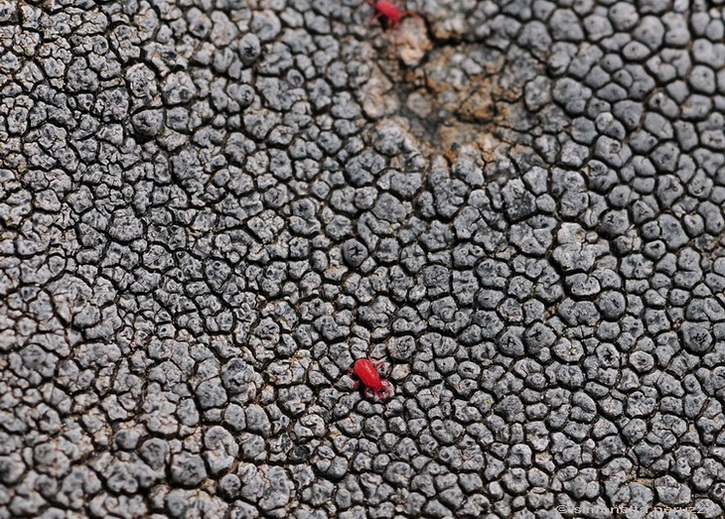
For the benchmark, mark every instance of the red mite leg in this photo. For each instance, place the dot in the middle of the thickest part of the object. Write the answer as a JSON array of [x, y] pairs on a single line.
[[377, 15], [351, 374], [411, 13], [388, 388]]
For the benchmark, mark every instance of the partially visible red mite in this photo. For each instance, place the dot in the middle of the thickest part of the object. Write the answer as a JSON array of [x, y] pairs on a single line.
[[391, 12], [367, 373]]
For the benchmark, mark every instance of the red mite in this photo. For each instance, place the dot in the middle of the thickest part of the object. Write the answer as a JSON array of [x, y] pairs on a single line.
[[367, 373], [390, 12]]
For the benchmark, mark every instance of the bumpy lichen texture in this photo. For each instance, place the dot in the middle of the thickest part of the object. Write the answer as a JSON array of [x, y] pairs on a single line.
[[210, 208]]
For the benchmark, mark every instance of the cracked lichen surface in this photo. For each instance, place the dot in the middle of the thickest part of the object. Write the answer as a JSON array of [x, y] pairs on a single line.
[[209, 209]]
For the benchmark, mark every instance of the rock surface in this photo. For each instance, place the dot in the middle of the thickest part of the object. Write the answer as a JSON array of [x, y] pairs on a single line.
[[210, 209]]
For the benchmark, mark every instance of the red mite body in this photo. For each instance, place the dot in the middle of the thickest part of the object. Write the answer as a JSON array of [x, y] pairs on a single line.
[[389, 11], [367, 373]]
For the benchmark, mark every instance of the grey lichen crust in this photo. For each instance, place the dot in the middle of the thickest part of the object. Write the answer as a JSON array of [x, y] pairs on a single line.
[[210, 208]]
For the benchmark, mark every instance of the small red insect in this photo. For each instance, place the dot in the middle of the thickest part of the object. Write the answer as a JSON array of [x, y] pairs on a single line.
[[367, 373], [391, 12]]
